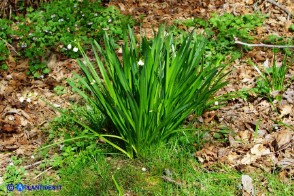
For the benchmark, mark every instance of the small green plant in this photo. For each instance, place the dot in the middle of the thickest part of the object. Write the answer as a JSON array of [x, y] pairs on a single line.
[[69, 146], [4, 52], [14, 173], [291, 28], [279, 40], [223, 28], [37, 69], [156, 86], [59, 90], [58, 24], [272, 80], [273, 39], [228, 25], [4, 67]]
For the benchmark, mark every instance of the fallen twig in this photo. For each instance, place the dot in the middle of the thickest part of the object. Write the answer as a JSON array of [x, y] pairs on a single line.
[[281, 7], [9, 45], [33, 164], [262, 45], [42, 173]]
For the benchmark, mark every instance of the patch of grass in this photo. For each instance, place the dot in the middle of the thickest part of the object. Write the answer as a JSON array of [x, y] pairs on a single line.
[[271, 184], [92, 172], [63, 129], [84, 174], [170, 169]]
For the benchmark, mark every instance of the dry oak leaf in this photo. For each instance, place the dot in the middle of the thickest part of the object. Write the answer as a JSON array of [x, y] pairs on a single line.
[[208, 116], [248, 159], [8, 128], [245, 135], [289, 95], [285, 108], [256, 152], [283, 138], [232, 157], [259, 150], [25, 150], [284, 176], [233, 142], [207, 154]]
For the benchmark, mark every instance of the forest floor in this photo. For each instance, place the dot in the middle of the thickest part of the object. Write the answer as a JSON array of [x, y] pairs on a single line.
[[258, 140]]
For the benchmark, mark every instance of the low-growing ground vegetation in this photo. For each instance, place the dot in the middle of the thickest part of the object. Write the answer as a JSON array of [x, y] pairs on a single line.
[[103, 99]]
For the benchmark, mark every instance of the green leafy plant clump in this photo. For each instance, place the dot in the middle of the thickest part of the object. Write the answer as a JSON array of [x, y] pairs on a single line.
[[14, 172], [55, 26], [221, 30], [152, 90], [4, 31], [271, 82], [224, 27]]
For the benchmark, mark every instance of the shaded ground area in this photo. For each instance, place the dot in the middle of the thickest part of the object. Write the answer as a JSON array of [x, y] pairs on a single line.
[[255, 140]]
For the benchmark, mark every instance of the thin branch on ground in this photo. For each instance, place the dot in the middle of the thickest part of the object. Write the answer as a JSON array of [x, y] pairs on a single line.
[[42, 173], [262, 45], [281, 7], [33, 164], [8, 45]]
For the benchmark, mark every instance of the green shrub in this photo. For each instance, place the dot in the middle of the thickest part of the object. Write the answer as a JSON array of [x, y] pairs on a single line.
[[152, 90]]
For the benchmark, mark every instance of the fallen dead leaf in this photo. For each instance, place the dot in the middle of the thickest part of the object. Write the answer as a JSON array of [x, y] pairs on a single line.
[[248, 159], [245, 135], [289, 95], [283, 138], [121, 7], [208, 116], [8, 128], [285, 110], [283, 176], [52, 61], [247, 186], [232, 157], [259, 150], [23, 66]]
